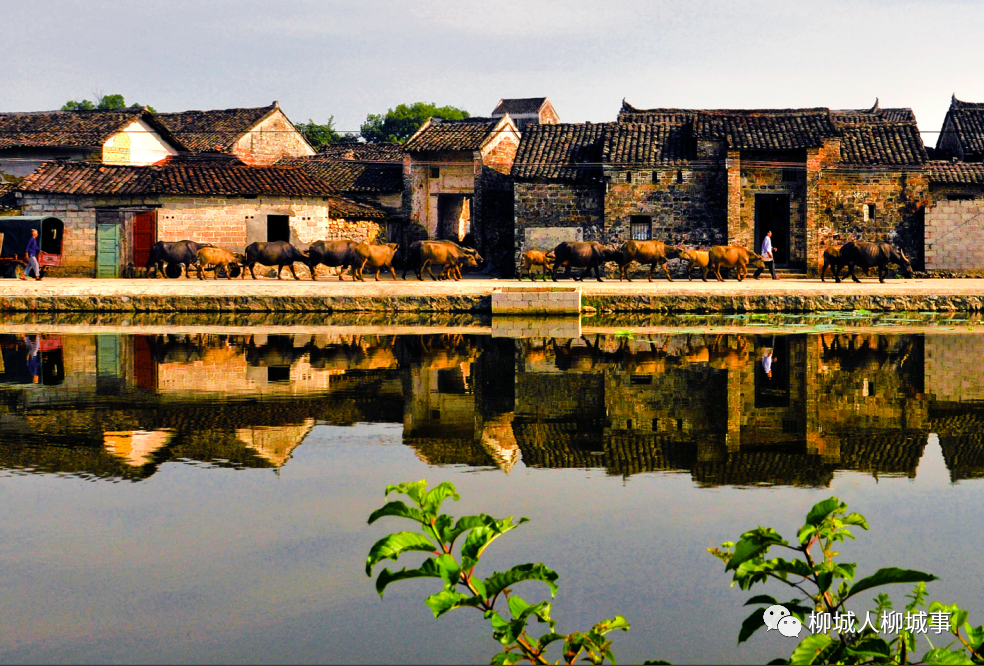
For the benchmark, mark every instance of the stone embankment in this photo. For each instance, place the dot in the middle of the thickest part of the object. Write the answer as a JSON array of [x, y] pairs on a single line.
[[475, 296]]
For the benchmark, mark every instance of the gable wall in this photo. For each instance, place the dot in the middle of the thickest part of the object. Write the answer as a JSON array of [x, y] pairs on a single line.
[[500, 153], [138, 144], [272, 138]]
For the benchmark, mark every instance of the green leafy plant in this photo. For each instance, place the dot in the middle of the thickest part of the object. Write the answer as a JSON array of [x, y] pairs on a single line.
[[438, 536], [824, 586]]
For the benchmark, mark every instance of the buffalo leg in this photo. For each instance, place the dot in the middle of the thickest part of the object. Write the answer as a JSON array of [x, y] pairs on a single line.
[[597, 270], [882, 272], [707, 269], [553, 273], [392, 271], [666, 269], [251, 264], [717, 273], [741, 272], [853, 276], [293, 272], [311, 268]]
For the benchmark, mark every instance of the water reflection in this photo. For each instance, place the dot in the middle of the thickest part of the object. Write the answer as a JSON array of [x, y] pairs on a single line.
[[735, 409]]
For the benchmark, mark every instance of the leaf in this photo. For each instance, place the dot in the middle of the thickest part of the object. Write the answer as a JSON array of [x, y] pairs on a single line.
[[874, 648], [434, 499], [481, 537], [497, 582], [442, 602], [465, 523], [507, 658], [752, 623], [810, 649], [617, 623], [448, 569], [393, 545], [945, 656], [426, 570], [517, 605], [888, 576], [821, 510], [855, 519], [400, 510], [753, 544], [415, 490], [761, 599]]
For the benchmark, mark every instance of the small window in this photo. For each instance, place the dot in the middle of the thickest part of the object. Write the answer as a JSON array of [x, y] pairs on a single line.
[[868, 212], [641, 380], [628, 177], [679, 177], [435, 172], [790, 175], [641, 227], [655, 177]]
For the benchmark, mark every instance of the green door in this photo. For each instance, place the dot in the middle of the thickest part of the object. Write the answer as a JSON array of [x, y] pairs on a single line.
[[107, 250]]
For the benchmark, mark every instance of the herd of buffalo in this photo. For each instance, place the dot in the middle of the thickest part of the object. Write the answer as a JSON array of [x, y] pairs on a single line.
[[452, 257]]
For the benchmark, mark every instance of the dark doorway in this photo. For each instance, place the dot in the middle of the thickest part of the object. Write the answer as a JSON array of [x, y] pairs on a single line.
[[451, 208], [144, 236], [772, 214], [278, 228]]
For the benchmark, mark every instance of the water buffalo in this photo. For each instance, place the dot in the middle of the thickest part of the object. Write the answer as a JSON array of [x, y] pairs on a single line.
[[444, 253], [731, 256], [536, 258], [275, 253], [177, 253], [654, 253], [334, 254], [831, 258], [698, 258], [582, 254], [865, 255], [218, 258], [375, 256]]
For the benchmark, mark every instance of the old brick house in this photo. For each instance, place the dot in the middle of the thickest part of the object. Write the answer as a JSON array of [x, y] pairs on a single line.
[[527, 111], [456, 182], [257, 136], [370, 173], [114, 214], [962, 134], [133, 137], [707, 177]]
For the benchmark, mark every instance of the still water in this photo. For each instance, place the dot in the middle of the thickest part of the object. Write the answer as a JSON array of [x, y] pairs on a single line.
[[177, 496]]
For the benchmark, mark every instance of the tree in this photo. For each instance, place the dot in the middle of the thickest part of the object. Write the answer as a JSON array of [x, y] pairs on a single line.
[[321, 135], [111, 102], [397, 125]]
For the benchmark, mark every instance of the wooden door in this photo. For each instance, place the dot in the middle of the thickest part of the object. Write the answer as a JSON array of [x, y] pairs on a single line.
[[107, 250], [144, 236]]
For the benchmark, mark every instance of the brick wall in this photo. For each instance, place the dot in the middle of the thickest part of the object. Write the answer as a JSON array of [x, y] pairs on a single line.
[[951, 367], [687, 205], [954, 230], [271, 139], [540, 205], [899, 199], [761, 180]]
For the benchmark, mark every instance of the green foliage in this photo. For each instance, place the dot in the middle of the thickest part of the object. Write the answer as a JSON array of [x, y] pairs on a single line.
[[397, 125], [463, 589], [109, 102], [321, 135], [824, 585]]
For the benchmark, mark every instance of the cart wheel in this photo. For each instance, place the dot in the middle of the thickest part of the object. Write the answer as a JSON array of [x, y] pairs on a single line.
[[234, 270], [173, 271]]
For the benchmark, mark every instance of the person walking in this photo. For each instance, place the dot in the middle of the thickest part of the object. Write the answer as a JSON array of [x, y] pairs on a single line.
[[31, 254], [767, 256]]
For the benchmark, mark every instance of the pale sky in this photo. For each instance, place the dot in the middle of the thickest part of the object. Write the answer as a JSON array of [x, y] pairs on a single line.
[[348, 58]]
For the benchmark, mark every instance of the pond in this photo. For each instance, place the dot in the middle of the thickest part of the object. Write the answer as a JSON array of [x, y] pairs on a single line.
[[200, 494]]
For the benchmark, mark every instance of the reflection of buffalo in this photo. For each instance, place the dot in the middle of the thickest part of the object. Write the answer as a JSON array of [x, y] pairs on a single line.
[[854, 352], [194, 348], [357, 353], [437, 352], [277, 352]]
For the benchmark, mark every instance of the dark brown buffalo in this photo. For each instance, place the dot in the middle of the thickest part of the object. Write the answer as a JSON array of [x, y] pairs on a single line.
[[582, 254], [865, 255], [333, 254], [447, 254], [177, 252], [731, 256], [831, 258], [275, 253], [374, 256], [654, 253]]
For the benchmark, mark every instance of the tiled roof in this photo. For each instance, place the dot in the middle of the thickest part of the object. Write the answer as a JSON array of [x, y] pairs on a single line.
[[882, 143], [346, 175], [630, 114], [882, 453], [560, 152], [176, 177], [373, 152], [773, 467], [965, 120], [520, 105], [875, 114], [766, 129], [213, 131], [437, 134], [955, 172], [68, 129], [347, 209], [641, 144]]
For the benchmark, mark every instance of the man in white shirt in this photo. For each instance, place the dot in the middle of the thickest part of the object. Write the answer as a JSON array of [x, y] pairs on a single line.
[[767, 256]]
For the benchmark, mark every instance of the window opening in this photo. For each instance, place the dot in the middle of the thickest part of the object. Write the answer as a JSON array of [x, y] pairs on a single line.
[[641, 227], [435, 172]]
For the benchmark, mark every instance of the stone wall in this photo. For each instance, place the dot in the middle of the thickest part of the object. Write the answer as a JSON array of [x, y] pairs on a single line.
[[951, 367], [561, 206], [687, 205], [768, 180], [954, 231], [899, 199]]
